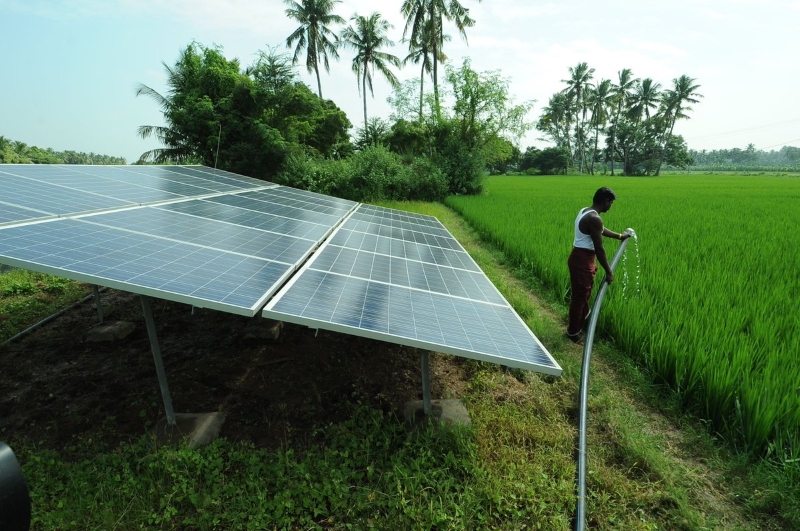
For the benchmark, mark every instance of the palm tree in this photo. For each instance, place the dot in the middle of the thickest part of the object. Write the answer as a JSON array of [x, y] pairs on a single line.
[[556, 120], [313, 34], [646, 96], [367, 35], [178, 148], [421, 51], [676, 104], [622, 92], [428, 16], [577, 84], [601, 100]]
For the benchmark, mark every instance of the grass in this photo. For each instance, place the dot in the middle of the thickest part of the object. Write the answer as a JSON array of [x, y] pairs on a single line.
[[26, 297], [650, 467]]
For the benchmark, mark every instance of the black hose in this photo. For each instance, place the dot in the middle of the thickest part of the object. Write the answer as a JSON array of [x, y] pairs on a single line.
[[580, 509]]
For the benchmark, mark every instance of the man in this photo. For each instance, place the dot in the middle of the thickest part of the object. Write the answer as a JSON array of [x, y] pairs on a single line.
[[587, 246]]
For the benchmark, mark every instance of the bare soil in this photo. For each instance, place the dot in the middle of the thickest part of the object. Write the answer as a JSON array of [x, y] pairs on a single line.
[[58, 388]]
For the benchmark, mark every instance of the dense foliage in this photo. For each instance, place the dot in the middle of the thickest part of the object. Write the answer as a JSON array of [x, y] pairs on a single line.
[[16, 152], [372, 174], [245, 121]]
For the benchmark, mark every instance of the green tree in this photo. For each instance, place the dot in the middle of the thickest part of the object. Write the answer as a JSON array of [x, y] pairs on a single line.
[[677, 103], [622, 91], [243, 121], [366, 36], [646, 96], [577, 86], [552, 161], [314, 34], [600, 100], [556, 120], [485, 112], [421, 49]]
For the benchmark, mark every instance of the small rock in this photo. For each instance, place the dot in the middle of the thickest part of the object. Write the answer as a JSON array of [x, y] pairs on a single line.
[[110, 331]]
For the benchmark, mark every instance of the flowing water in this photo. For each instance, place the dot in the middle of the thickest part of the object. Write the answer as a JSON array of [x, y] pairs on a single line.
[[635, 290]]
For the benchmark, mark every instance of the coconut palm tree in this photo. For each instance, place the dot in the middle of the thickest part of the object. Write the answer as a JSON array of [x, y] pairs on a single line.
[[600, 99], [314, 34], [432, 13], [421, 51], [646, 96], [676, 103], [177, 147], [577, 84], [366, 36], [622, 91]]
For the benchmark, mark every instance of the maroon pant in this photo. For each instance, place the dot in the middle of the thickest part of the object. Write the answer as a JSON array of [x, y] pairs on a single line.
[[582, 268]]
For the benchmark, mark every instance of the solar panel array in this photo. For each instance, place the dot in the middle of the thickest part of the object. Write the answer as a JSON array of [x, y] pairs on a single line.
[[403, 278], [214, 239], [190, 234]]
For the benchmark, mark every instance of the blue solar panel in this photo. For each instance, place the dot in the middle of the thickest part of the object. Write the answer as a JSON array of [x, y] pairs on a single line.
[[208, 233], [189, 246], [144, 264], [10, 214], [215, 239], [249, 218], [55, 200], [404, 279]]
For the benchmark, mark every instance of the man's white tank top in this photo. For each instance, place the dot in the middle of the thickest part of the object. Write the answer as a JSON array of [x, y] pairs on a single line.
[[582, 241]]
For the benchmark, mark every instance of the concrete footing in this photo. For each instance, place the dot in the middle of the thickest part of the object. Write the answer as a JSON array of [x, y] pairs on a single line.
[[110, 331], [448, 412], [197, 429]]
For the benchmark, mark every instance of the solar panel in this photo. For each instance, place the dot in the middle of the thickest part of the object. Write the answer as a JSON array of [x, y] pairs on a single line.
[[403, 278], [214, 239], [190, 246]]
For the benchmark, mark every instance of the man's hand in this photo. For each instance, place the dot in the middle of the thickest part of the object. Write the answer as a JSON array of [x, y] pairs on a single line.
[[624, 236], [609, 277]]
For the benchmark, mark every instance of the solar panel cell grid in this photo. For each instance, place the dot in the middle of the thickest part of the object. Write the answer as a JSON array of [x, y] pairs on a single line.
[[408, 286]]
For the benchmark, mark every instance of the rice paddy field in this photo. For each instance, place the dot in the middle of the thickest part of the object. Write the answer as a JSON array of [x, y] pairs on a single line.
[[711, 306]]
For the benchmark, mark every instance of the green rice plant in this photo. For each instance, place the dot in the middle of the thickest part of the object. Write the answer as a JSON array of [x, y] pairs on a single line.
[[716, 317]]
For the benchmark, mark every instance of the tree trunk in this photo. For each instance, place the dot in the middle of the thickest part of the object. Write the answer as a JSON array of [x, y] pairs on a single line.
[[435, 38], [319, 83], [666, 139], [421, 89], [364, 89]]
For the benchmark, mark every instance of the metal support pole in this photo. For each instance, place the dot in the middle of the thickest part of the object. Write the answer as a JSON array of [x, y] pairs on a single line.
[[162, 377], [98, 303], [426, 383]]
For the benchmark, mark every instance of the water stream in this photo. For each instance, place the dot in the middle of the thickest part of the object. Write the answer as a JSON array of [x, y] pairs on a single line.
[[635, 290]]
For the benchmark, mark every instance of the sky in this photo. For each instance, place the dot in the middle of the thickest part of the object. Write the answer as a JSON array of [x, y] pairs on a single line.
[[69, 69]]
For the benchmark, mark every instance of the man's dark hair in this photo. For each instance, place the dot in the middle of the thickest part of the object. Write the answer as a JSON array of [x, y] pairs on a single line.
[[604, 194]]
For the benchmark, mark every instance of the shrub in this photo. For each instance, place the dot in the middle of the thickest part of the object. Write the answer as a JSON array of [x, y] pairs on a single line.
[[427, 182]]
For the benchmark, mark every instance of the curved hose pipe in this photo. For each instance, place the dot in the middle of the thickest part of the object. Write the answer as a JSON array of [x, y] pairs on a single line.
[[580, 510]]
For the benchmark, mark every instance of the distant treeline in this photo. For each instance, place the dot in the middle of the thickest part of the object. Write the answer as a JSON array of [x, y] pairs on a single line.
[[748, 159], [16, 152]]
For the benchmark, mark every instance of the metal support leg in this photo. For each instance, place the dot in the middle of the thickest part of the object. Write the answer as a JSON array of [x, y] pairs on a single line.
[[98, 303], [162, 377], [426, 383]]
